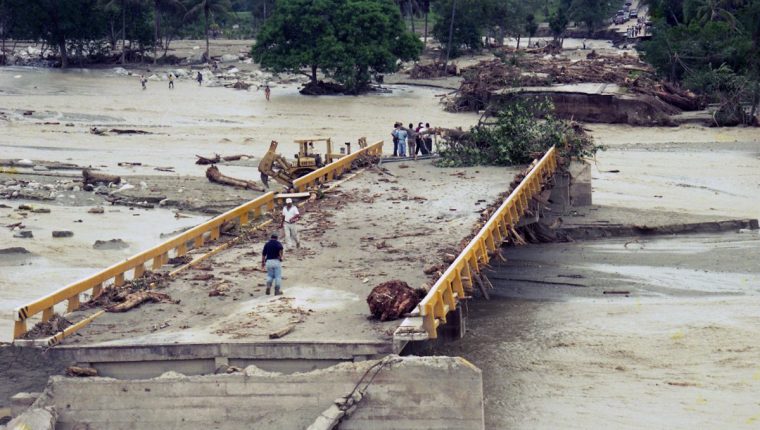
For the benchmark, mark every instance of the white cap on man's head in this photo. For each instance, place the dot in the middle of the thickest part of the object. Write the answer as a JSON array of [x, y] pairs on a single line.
[[288, 200]]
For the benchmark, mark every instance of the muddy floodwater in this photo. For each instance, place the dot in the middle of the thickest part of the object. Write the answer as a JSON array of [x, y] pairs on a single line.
[[562, 346]]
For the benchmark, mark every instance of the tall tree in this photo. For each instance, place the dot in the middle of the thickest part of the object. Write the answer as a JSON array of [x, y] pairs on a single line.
[[592, 13], [465, 24], [208, 8], [121, 6], [531, 27], [558, 24], [350, 40], [159, 6], [59, 22]]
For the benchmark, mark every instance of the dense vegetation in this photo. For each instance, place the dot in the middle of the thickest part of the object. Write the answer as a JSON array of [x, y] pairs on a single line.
[[713, 48], [515, 135], [348, 40], [91, 30]]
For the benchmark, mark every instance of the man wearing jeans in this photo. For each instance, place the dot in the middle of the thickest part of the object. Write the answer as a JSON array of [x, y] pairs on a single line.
[[271, 258]]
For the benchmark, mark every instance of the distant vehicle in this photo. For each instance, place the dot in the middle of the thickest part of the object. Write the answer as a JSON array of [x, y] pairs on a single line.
[[634, 14], [619, 19], [620, 12], [628, 2]]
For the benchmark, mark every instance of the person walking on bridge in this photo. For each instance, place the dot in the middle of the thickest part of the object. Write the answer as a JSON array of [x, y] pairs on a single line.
[[290, 217], [271, 259]]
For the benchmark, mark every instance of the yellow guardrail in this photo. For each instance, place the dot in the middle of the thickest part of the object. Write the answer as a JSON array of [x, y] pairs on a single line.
[[158, 256], [336, 168], [465, 270]]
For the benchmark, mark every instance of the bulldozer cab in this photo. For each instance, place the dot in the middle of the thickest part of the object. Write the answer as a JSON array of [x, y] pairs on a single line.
[[308, 155]]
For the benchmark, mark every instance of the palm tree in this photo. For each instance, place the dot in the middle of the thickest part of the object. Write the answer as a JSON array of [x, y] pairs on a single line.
[[208, 7], [716, 10], [158, 6]]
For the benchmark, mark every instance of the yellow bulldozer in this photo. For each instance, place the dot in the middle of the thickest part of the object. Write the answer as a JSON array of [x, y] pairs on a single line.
[[307, 160]]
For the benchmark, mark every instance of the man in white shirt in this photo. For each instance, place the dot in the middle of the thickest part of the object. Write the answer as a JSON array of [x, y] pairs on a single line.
[[290, 217]]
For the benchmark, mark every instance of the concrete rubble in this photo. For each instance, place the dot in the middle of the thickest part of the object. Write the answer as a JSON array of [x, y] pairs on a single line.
[[397, 393]]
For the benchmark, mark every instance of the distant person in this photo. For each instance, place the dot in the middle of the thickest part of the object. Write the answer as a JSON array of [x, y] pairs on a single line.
[[290, 217], [271, 260], [584, 44], [411, 140], [422, 137], [401, 134], [199, 78], [267, 91], [143, 82], [428, 138], [394, 135], [171, 81]]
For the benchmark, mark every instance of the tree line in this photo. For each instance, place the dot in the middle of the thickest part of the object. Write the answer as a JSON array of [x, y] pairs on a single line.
[[713, 48], [91, 30]]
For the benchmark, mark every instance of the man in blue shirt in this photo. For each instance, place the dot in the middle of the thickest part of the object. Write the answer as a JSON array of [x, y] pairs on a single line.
[[271, 258], [401, 134]]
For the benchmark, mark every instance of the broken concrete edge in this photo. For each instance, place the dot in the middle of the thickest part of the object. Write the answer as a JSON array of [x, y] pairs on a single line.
[[34, 419], [37, 416], [42, 414], [591, 232]]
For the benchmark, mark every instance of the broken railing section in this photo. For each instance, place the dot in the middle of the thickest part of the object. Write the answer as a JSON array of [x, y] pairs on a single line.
[[338, 167], [156, 256], [465, 272]]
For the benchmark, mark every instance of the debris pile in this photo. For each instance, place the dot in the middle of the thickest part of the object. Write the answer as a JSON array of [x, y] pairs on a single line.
[[487, 77], [432, 70], [130, 295], [42, 329], [391, 300]]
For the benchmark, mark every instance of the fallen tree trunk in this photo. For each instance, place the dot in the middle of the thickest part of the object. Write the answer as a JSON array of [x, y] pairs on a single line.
[[136, 299], [93, 178], [214, 175], [206, 160]]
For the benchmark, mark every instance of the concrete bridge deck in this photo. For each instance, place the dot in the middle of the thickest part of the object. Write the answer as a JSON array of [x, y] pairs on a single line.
[[373, 228]]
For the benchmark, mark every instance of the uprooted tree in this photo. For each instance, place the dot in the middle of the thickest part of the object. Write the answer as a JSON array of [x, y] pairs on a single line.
[[348, 40], [519, 131]]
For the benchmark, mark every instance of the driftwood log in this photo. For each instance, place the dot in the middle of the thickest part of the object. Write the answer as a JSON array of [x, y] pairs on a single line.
[[214, 175], [390, 300], [208, 160], [91, 177], [136, 299], [81, 371]]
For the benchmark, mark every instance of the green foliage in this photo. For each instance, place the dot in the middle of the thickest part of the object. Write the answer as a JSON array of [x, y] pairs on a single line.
[[713, 48], [469, 21], [349, 40], [558, 22], [592, 13], [515, 136], [531, 27]]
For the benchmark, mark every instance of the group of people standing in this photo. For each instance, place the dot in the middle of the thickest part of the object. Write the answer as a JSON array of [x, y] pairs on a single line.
[[417, 140]]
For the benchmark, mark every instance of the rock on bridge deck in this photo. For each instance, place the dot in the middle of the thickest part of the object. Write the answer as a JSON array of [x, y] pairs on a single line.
[[373, 228]]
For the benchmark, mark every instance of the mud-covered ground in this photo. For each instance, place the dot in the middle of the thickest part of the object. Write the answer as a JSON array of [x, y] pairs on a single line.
[[371, 229]]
